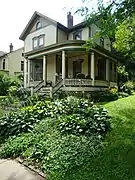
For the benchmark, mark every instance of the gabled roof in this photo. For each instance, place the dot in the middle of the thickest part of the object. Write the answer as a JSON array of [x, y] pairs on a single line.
[[33, 19], [2, 53]]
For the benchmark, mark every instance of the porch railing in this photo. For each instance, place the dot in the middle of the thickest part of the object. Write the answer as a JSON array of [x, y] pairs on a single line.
[[101, 83], [78, 82]]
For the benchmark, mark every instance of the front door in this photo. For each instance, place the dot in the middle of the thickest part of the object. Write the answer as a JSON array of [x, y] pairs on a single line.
[[77, 67]]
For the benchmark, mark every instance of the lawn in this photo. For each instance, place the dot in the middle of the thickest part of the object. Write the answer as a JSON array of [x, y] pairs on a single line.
[[117, 160]]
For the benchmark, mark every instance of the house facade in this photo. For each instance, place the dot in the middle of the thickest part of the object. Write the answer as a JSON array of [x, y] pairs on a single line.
[[54, 56], [12, 63]]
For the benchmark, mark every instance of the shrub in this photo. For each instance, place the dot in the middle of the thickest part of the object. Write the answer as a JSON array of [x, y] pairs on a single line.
[[128, 87], [109, 94], [123, 94], [24, 120], [91, 120], [5, 82]]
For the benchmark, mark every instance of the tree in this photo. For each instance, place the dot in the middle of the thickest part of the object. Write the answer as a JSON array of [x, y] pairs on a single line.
[[116, 19]]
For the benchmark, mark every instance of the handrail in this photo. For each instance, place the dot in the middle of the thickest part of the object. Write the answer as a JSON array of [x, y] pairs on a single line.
[[57, 86], [38, 86]]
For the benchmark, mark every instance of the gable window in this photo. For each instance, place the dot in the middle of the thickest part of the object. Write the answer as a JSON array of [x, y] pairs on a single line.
[[35, 43], [38, 25], [77, 35], [22, 65], [102, 42], [4, 64]]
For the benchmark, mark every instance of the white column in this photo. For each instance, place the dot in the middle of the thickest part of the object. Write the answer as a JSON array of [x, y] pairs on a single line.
[[25, 73], [44, 69], [107, 70], [92, 68], [63, 66], [28, 72]]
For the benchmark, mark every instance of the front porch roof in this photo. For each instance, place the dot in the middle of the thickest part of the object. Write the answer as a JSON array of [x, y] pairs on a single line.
[[70, 45]]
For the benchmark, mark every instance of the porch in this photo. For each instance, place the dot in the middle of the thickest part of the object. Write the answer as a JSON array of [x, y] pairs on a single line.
[[71, 69]]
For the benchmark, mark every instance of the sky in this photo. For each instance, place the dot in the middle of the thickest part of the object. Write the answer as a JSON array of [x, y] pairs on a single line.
[[15, 14]]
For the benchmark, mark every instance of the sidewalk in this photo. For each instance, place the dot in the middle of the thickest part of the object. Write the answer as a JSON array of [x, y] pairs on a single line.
[[11, 170]]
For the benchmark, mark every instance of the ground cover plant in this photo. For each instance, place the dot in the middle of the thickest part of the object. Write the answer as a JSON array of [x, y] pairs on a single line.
[[57, 136]]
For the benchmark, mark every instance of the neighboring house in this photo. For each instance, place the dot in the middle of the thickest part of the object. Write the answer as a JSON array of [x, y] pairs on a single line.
[[12, 62], [54, 55]]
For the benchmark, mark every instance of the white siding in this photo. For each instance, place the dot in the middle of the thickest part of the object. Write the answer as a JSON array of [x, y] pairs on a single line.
[[50, 37]]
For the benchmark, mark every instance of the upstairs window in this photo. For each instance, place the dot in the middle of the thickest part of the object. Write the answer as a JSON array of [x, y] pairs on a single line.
[[90, 32], [35, 43], [41, 40], [4, 64], [38, 41], [22, 65], [77, 35], [38, 25], [102, 42]]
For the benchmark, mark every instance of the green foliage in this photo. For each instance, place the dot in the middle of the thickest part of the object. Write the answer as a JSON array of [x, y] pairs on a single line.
[[128, 87], [123, 94], [53, 153], [23, 121], [109, 94], [57, 136], [88, 121], [6, 82]]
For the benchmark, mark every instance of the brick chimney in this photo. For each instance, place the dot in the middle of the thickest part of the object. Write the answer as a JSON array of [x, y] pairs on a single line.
[[11, 48], [69, 20]]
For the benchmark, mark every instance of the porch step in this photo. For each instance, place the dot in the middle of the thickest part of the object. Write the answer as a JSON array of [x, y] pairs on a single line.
[[45, 91]]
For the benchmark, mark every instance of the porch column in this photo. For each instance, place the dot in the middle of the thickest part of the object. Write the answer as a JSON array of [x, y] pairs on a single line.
[[63, 66], [25, 73], [92, 68], [44, 69], [29, 72], [107, 69]]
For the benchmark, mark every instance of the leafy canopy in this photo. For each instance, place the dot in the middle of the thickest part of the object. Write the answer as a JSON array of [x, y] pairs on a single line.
[[115, 18]]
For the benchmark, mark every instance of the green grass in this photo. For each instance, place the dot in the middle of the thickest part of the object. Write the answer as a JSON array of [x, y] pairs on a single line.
[[117, 160]]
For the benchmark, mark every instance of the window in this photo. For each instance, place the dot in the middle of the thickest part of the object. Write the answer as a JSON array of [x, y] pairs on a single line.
[[22, 65], [115, 67], [90, 32], [38, 25], [35, 43], [41, 41], [77, 35], [102, 42], [4, 63], [38, 41]]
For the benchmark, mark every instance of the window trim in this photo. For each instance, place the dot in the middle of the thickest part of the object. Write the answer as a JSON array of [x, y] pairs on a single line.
[[90, 32], [22, 65], [39, 26], [76, 32], [38, 37], [43, 36], [4, 64], [102, 42]]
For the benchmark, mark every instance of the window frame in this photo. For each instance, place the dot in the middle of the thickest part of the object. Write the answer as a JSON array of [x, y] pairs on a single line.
[[22, 65], [102, 42], [41, 36], [35, 38], [4, 64], [37, 25], [76, 33], [90, 32], [38, 45]]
